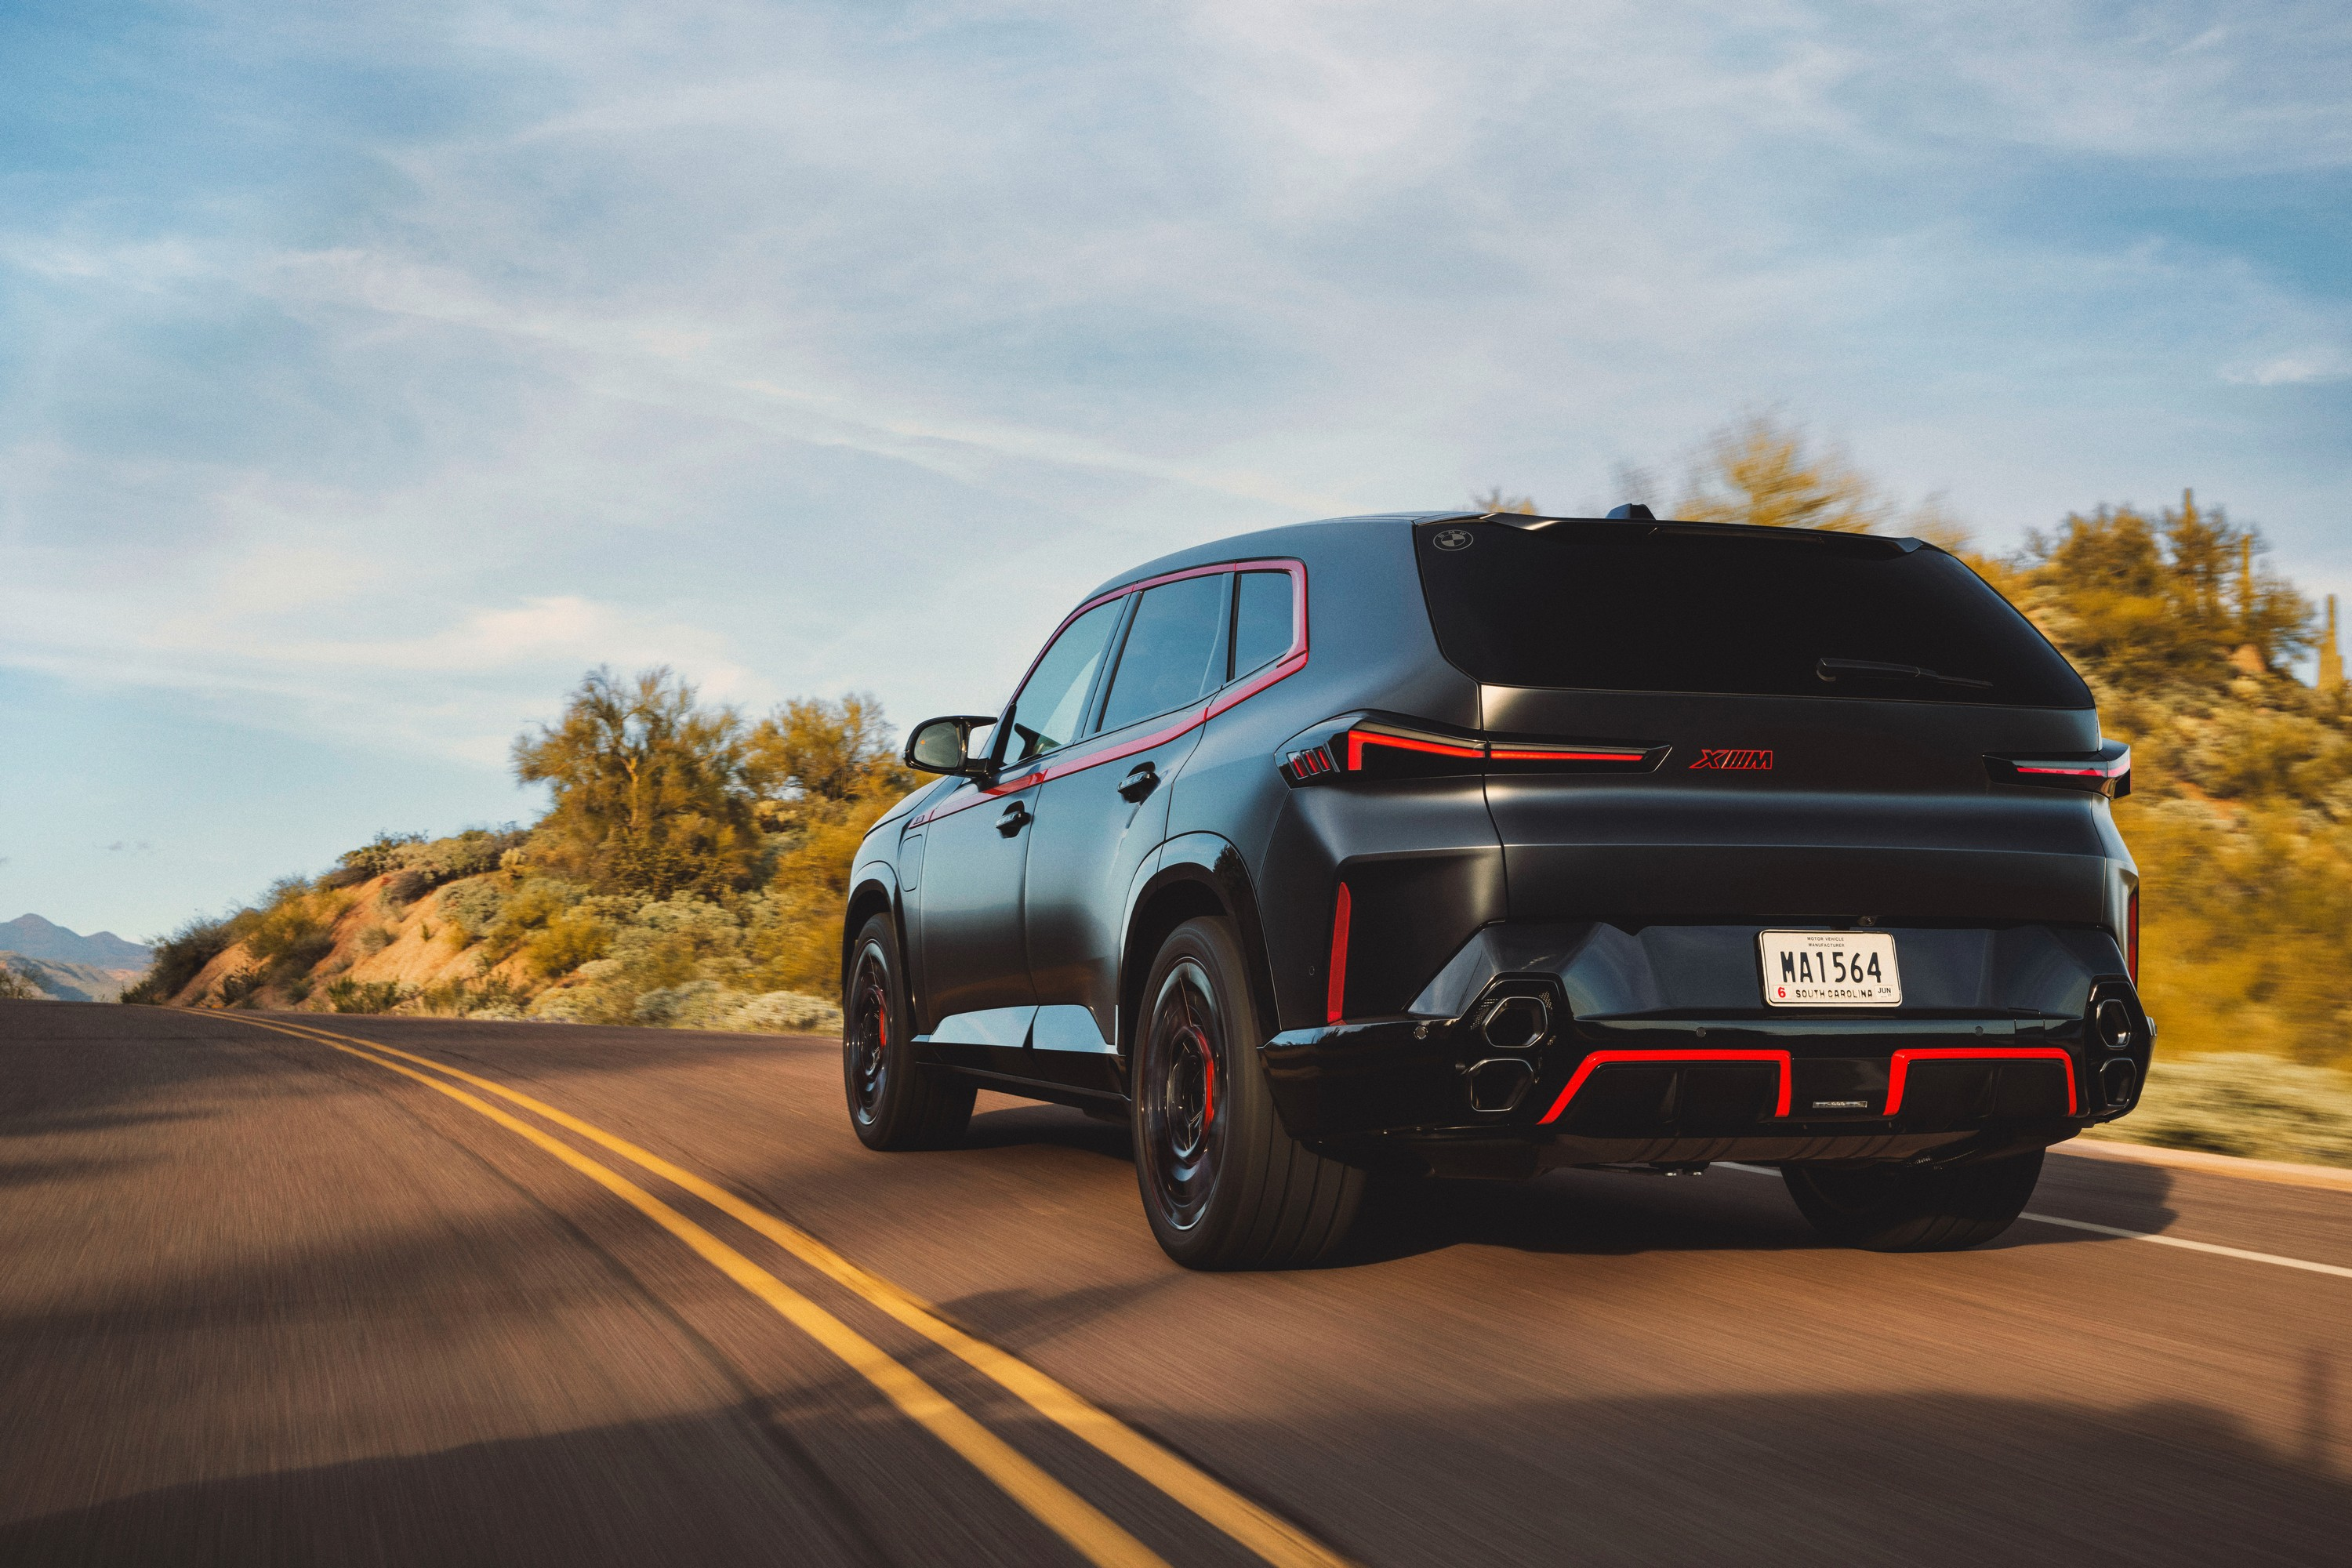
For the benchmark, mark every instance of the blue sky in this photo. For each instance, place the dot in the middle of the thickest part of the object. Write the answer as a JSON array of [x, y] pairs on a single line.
[[368, 373]]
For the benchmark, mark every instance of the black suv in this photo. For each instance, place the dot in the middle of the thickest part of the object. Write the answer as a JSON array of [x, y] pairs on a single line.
[[1477, 845]]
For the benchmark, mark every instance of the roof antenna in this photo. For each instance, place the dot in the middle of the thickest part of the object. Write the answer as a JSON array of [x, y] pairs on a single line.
[[1635, 510]]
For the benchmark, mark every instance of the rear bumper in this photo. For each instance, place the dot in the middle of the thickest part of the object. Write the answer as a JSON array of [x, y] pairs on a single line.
[[1684, 1084]]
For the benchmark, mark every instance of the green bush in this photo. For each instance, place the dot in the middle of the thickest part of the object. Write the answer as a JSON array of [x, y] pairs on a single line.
[[364, 995]]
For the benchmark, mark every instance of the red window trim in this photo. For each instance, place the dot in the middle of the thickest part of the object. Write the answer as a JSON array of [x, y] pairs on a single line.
[[1077, 758], [1602, 1059], [1901, 1069]]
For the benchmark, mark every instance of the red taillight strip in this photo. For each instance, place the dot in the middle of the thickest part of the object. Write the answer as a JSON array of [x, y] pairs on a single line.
[[1358, 738], [1335, 1001], [1516, 754], [2073, 772], [1663, 1058], [1904, 1058], [2131, 936]]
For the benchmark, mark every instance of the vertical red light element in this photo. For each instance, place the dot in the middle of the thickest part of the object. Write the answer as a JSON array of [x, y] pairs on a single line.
[[2131, 936], [1336, 999]]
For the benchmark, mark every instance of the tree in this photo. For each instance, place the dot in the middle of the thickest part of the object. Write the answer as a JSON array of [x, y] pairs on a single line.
[[650, 789], [810, 748], [1759, 471], [2166, 598]]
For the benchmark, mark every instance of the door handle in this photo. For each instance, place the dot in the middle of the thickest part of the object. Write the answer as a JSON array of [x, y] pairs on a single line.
[[1013, 818], [1142, 779]]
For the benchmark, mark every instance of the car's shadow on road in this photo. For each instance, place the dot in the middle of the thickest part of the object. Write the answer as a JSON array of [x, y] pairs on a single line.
[[1603, 1212]]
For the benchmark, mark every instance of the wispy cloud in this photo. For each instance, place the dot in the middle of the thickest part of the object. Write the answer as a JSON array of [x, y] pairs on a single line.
[[375, 371]]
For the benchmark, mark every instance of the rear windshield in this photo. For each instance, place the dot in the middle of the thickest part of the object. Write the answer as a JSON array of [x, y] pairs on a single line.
[[1632, 606]]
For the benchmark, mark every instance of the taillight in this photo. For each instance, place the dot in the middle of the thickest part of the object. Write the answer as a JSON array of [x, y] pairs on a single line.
[[2106, 771], [1335, 997], [2131, 936], [1366, 746]]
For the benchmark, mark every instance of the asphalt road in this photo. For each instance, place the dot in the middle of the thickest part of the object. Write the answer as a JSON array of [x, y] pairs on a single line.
[[267, 1301]]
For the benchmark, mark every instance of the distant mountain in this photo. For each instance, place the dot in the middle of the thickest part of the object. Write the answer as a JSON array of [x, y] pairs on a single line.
[[63, 982], [37, 938]]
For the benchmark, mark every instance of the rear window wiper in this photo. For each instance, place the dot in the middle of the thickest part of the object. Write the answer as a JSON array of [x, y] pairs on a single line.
[[1869, 669]]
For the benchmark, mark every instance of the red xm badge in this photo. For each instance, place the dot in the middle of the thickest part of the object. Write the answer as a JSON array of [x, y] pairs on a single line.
[[1736, 760]]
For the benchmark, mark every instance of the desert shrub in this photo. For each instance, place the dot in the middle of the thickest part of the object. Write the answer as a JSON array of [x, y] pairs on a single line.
[[785, 1013], [179, 958], [407, 887], [555, 923], [466, 854], [364, 995], [238, 988], [375, 940], [707, 1005], [16, 987], [490, 997], [692, 1005], [373, 858], [473, 904], [569, 940], [2245, 1104]]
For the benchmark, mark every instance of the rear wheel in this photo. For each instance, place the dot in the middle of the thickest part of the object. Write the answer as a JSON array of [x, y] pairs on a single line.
[[1908, 1209], [893, 1103], [1224, 1185]]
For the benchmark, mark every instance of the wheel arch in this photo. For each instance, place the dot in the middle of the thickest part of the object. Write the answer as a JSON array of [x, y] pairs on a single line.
[[874, 890], [1194, 875]]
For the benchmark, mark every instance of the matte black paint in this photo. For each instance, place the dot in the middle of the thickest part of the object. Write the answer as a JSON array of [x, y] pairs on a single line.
[[1631, 900]]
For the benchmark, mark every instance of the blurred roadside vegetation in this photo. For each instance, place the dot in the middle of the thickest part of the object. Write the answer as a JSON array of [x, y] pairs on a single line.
[[691, 871]]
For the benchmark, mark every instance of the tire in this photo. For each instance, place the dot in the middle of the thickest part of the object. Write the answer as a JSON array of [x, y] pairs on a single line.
[[1899, 1208], [894, 1103], [1224, 1185]]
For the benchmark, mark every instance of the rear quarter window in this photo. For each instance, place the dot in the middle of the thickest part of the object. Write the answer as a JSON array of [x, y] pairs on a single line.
[[1634, 606]]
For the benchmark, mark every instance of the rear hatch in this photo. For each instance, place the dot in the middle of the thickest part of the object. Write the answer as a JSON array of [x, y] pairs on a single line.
[[1713, 723]]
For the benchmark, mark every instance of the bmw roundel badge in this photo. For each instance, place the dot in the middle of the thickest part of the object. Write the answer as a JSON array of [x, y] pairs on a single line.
[[1453, 539]]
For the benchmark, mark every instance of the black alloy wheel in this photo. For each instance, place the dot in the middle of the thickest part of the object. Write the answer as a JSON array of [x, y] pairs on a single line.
[[1224, 1186], [1186, 1056], [865, 1036], [894, 1102]]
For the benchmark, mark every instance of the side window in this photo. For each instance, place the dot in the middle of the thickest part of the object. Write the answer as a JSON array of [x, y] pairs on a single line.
[[1052, 705], [1170, 650], [1262, 624]]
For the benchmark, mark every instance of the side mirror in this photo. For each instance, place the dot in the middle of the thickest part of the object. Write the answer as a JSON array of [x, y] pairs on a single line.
[[944, 745]]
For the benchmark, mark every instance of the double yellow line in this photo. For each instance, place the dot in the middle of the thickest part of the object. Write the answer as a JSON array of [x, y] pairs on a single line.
[[1087, 1528]]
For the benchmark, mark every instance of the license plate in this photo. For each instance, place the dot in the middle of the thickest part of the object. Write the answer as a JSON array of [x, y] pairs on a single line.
[[1831, 968]]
